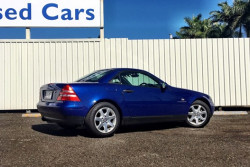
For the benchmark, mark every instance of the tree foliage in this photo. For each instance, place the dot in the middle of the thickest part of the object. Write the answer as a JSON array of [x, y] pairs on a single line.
[[229, 21]]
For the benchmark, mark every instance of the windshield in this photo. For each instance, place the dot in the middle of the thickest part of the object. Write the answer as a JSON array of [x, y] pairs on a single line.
[[94, 77]]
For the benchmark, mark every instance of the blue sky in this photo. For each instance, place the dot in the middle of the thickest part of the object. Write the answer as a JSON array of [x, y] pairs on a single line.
[[133, 19]]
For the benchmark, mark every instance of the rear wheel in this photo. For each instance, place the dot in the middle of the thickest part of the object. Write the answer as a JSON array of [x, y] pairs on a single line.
[[103, 119], [198, 115]]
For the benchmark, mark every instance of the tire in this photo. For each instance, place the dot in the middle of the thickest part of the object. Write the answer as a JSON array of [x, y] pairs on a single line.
[[103, 120], [65, 126], [199, 114]]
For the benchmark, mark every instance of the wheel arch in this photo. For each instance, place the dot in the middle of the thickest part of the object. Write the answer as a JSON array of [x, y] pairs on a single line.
[[205, 101], [112, 102]]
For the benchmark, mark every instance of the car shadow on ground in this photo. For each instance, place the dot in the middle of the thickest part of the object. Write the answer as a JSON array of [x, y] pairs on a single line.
[[150, 127], [55, 130]]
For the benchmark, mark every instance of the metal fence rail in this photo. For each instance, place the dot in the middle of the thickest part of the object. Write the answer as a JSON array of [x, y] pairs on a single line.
[[219, 67]]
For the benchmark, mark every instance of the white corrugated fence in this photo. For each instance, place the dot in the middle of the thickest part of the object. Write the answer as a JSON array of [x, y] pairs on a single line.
[[218, 67]]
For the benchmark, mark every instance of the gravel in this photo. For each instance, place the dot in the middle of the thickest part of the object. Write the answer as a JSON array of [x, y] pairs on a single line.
[[225, 141]]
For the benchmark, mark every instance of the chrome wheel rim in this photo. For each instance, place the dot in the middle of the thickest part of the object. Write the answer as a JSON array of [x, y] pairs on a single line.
[[197, 115], [105, 120]]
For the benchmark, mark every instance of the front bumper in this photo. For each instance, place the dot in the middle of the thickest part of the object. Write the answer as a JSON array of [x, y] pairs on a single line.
[[59, 114]]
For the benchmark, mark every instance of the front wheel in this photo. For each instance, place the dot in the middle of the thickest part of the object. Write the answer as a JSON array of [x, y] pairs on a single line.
[[198, 115], [103, 119]]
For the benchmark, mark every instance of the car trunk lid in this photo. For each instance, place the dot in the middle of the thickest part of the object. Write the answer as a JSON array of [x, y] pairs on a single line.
[[50, 92]]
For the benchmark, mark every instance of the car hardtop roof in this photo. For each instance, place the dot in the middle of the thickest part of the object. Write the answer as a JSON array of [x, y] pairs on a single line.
[[124, 69], [118, 70]]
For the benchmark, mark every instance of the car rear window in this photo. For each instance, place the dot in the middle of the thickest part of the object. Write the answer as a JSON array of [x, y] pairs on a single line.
[[94, 77]]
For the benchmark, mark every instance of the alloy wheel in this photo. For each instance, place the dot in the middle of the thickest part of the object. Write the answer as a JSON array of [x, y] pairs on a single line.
[[197, 115], [105, 120]]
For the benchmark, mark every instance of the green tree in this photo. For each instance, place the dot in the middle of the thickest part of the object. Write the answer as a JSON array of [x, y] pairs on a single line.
[[198, 28], [236, 17], [192, 30]]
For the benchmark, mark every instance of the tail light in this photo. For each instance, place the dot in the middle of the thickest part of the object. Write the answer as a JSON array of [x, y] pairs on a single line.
[[67, 94]]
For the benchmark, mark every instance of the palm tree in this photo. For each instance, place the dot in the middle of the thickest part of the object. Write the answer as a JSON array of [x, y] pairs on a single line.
[[218, 31], [192, 30], [241, 10], [223, 15], [197, 28], [236, 17]]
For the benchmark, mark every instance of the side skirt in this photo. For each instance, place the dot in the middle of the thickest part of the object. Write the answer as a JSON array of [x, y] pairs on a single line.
[[153, 119]]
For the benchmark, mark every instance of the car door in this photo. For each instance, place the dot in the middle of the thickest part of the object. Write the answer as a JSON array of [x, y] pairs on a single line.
[[141, 93]]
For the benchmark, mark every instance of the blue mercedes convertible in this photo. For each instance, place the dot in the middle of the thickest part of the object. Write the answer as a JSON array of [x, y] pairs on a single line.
[[106, 99]]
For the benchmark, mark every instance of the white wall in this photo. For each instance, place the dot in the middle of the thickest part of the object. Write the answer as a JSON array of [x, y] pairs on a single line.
[[219, 67]]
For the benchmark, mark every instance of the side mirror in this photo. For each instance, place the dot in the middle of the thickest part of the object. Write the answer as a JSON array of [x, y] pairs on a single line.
[[163, 86]]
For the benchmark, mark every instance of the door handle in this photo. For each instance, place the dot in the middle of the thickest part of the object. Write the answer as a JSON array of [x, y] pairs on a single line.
[[127, 91]]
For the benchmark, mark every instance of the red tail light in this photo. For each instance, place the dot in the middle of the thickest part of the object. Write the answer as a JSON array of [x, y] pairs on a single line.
[[67, 94]]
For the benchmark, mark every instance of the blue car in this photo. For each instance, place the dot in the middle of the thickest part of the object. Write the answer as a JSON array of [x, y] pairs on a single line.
[[106, 99]]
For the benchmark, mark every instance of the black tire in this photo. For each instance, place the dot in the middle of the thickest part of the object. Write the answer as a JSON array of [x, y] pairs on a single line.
[[65, 126], [91, 123], [205, 108]]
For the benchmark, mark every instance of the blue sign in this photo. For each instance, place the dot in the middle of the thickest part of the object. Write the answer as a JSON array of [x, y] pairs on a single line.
[[50, 13]]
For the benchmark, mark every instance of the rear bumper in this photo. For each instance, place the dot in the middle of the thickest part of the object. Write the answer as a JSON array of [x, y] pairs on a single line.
[[59, 114], [67, 120]]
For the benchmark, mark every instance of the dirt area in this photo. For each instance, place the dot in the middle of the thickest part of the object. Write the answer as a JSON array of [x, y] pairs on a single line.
[[225, 141]]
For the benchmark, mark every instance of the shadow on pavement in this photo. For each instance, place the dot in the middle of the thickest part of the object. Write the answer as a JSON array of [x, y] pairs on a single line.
[[150, 127], [55, 130]]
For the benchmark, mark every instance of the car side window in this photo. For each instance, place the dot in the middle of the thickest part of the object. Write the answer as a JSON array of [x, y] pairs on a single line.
[[138, 79], [116, 80]]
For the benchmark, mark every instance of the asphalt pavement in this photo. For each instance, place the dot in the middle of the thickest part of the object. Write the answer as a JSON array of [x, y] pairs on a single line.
[[225, 141]]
